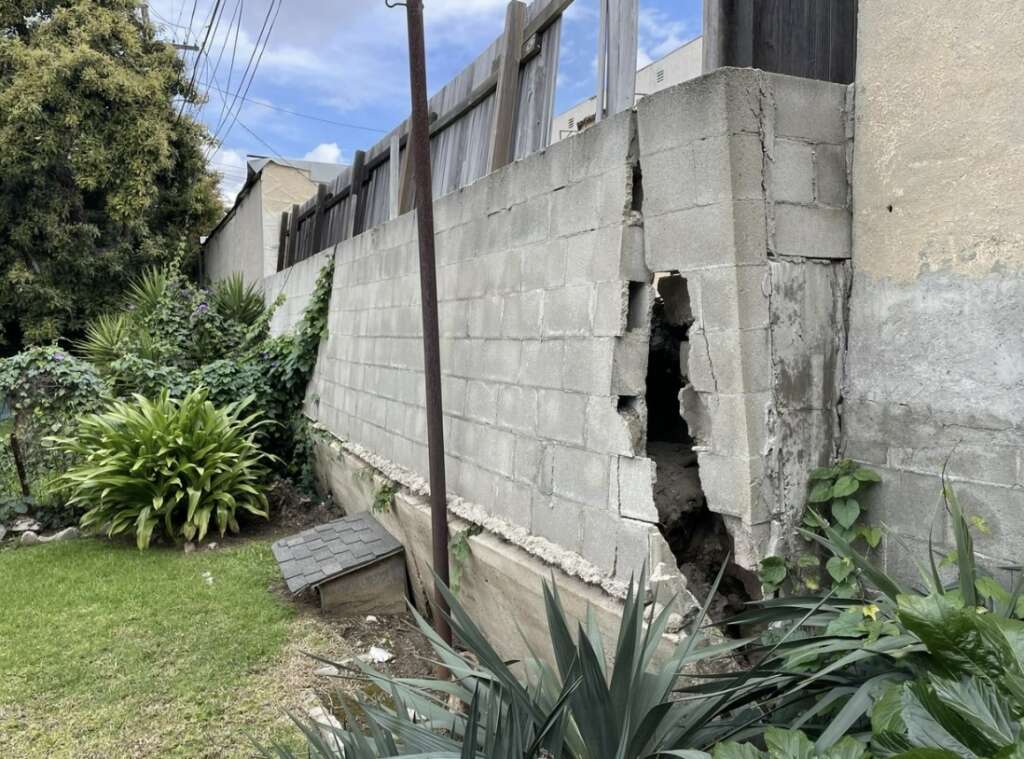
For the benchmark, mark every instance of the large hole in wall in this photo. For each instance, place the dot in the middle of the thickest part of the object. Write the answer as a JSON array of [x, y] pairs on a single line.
[[697, 536]]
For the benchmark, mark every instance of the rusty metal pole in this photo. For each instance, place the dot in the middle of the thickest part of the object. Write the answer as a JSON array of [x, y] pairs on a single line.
[[419, 152]]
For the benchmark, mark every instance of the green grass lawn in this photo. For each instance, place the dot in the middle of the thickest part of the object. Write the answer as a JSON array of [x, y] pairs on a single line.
[[106, 651]]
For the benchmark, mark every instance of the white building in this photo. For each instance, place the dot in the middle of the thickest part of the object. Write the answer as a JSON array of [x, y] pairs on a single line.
[[681, 64]]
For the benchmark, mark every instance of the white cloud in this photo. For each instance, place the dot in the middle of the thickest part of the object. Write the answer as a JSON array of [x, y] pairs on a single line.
[[660, 33], [231, 166], [326, 152]]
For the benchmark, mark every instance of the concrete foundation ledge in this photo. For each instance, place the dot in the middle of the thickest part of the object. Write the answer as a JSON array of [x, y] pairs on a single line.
[[501, 582]]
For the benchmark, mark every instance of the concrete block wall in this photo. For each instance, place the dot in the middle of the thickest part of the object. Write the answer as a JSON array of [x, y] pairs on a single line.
[[535, 347], [293, 287], [745, 188], [545, 274]]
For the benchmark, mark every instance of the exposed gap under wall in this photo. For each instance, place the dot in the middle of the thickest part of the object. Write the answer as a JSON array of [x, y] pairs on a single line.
[[696, 535]]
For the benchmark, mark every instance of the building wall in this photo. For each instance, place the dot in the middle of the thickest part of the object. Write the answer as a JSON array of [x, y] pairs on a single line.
[[237, 244], [936, 354], [681, 65], [248, 240]]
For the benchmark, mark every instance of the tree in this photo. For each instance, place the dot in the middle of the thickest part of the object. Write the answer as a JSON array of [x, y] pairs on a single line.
[[99, 176]]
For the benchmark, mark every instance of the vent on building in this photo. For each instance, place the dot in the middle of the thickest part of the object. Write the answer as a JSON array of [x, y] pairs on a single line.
[[572, 122], [659, 76]]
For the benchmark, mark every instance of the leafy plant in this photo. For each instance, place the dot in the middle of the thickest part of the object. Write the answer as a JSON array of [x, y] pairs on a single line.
[[831, 503], [106, 338], [384, 498], [167, 465], [788, 744], [237, 301], [458, 554], [582, 708]]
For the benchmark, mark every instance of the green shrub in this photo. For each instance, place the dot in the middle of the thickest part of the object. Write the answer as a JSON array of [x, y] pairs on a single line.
[[167, 465]]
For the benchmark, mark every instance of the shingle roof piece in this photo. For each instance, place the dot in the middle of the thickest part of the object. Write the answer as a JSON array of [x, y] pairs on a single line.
[[345, 545]]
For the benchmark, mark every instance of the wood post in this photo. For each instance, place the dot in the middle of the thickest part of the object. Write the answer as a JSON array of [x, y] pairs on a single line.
[[358, 197], [814, 39], [394, 176], [293, 237], [282, 242], [507, 93], [406, 187], [318, 218], [19, 465], [616, 57]]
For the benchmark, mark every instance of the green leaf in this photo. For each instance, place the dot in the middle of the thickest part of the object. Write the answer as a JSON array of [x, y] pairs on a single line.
[[845, 511], [773, 570], [822, 473], [866, 475], [872, 535], [807, 560], [845, 486], [839, 568], [820, 493], [732, 750], [788, 744]]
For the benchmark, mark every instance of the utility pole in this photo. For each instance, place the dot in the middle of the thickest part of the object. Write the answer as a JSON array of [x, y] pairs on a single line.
[[419, 153]]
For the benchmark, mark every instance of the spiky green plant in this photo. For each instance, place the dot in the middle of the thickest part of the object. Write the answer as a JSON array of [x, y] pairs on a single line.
[[106, 338], [582, 708], [167, 465], [237, 301], [148, 289]]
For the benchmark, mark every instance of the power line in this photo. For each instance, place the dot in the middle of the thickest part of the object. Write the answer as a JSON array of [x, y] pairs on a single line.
[[266, 144], [202, 47], [297, 113]]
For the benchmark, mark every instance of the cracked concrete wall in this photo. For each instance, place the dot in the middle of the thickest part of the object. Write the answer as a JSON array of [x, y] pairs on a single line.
[[746, 195], [936, 353]]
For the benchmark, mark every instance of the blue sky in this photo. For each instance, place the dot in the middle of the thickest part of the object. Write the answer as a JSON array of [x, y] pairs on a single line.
[[345, 62]]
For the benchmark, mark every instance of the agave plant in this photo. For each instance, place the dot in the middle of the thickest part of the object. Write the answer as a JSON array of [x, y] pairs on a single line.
[[106, 338], [167, 464], [237, 301], [148, 289], [582, 708]]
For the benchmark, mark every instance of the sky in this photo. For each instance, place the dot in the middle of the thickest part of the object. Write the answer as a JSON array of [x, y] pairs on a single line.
[[343, 65]]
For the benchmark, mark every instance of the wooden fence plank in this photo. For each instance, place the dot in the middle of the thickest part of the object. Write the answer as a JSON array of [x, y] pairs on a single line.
[[507, 92], [282, 241], [537, 94], [293, 236], [394, 178], [622, 40], [318, 218], [357, 194]]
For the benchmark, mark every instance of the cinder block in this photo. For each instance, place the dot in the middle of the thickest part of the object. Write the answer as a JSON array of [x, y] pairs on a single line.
[[453, 318], [581, 475], [611, 300], [517, 408], [558, 520], [522, 314], [478, 485], [542, 363], [732, 486], [811, 232], [808, 109], [500, 360], [831, 183], [575, 208], [561, 416], [485, 316], [544, 265], [588, 365], [634, 265], [593, 151], [498, 450], [633, 548], [713, 168], [567, 310], [527, 459], [513, 501], [481, 401], [730, 361], [636, 489], [792, 172], [750, 232], [511, 279], [692, 238], [530, 221], [908, 503], [609, 430], [739, 424], [669, 181], [629, 365], [599, 530], [733, 297]]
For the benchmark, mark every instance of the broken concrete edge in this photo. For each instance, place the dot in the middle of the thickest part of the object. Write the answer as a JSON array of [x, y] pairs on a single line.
[[499, 535]]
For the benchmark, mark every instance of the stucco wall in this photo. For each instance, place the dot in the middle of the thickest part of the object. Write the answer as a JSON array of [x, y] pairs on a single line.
[[236, 245], [936, 353], [280, 188]]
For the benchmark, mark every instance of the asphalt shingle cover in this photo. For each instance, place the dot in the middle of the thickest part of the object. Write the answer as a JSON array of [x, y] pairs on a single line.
[[330, 550]]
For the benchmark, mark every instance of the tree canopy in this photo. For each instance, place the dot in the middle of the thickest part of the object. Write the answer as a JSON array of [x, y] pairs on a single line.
[[99, 175]]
